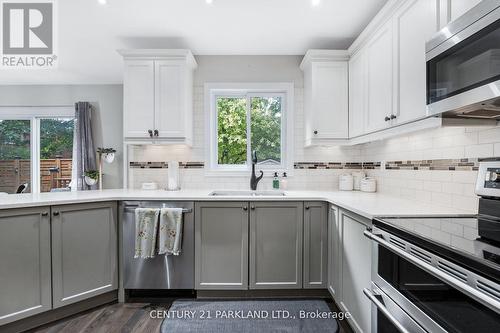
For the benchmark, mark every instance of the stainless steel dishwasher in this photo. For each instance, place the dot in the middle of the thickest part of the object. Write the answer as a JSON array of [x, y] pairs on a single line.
[[160, 272]]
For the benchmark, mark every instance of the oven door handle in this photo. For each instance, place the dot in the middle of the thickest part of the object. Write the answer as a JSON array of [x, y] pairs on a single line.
[[381, 307], [482, 298]]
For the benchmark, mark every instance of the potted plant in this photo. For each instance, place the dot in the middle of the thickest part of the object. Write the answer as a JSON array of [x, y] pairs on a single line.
[[108, 154], [91, 177]]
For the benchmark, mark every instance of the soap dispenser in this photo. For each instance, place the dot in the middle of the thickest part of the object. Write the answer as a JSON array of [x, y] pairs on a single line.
[[276, 181], [284, 181]]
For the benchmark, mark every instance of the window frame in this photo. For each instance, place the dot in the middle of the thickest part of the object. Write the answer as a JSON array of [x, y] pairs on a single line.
[[35, 114], [247, 91]]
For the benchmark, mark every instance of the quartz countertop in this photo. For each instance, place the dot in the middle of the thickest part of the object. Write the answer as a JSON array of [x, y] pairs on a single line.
[[367, 205]]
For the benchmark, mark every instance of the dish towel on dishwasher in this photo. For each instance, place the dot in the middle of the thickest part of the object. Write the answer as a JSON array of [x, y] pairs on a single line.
[[170, 234], [146, 227]]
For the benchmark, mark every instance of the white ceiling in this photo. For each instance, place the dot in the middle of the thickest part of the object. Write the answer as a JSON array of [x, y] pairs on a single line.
[[90, 33]]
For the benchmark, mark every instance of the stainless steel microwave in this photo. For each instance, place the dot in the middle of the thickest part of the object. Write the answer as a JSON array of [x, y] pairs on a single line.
[[463, 65]]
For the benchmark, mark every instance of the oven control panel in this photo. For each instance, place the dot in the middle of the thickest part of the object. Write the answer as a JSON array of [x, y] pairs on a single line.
[[492, 178], [488, 179]]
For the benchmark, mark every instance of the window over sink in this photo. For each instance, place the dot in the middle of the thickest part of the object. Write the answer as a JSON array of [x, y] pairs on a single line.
[[248, 117]]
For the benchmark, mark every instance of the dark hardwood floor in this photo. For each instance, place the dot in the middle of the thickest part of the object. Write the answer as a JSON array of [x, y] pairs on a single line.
[[123, 318]]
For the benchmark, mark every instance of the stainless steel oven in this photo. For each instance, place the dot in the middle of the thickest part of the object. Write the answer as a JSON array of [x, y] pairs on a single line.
[[463, 65], [416, 290]]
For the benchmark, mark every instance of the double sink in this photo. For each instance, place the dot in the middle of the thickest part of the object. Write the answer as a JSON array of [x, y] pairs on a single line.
[[247, 194]]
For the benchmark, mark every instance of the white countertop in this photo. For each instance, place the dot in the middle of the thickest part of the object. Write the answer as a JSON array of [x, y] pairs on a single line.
[[367, 205]]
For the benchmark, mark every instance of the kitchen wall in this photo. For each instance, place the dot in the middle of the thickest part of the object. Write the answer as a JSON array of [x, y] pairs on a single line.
[[442, 167], [242, 69], [438, 166], [107, 116]]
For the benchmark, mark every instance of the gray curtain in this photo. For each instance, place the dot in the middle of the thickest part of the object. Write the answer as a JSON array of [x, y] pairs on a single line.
[[84, 154]]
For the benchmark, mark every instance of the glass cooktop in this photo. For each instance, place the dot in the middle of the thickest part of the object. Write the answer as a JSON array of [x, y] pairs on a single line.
[[454, 237]]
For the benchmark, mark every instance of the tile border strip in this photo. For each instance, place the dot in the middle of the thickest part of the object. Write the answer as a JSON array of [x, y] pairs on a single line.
[[462, 164]]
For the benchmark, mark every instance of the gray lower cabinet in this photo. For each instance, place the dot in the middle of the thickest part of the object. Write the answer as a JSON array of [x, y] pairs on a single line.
[[24, 263], [356, 270], [221, 245], [276, 230], [315, 245], [334, 254], [84, 251]]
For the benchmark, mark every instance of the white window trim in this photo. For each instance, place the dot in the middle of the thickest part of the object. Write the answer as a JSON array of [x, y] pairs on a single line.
[[34, 114], [237, 89]]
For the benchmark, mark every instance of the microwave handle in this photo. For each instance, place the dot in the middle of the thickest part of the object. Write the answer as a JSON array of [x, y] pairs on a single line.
[[482, 298], [381, 307]]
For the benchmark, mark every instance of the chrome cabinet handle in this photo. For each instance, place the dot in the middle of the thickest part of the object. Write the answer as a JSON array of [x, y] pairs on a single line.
[[245, 208], [387, 118], [150, 132], [156, 133], [393, 116], [482, 298], [381, 307]]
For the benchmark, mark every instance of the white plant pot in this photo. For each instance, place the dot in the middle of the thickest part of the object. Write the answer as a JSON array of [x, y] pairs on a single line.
[[109, 157], [90, 181]]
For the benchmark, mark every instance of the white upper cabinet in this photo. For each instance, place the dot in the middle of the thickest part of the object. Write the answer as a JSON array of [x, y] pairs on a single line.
[[387, 70], [326, 107], [457, 8], [158, 95], [357, 93], [414, 24], [380, 79], [138, 98]]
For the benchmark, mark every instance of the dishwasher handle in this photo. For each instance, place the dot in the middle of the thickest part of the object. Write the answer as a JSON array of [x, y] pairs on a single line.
[[381, 307], [132, 209]]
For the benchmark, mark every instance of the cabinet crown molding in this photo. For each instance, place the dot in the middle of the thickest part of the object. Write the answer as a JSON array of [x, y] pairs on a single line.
[[323, 55], [159, 54], [384, 14]]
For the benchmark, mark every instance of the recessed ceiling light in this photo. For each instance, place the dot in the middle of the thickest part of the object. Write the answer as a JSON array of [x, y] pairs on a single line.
[[209, 1], [102, 2], [316, 2]]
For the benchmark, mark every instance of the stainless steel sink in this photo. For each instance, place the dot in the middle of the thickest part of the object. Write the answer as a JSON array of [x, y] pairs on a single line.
[[248, 193]]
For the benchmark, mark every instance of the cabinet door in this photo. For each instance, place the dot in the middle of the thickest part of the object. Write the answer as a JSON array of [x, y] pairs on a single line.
[[84, 251], [380, 79], [334, 258], [276, 245], [169, 98], [356, 270], [138, 98], [221, 245], [410, 56], [315, 245], [25, 263], [330, 110], [457, 8], [357, 94]]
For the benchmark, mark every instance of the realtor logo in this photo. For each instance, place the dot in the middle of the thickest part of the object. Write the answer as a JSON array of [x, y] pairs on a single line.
[[28, 34]]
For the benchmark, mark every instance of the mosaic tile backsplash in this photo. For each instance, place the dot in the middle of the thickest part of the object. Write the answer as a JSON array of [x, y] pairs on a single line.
[[463, 164]]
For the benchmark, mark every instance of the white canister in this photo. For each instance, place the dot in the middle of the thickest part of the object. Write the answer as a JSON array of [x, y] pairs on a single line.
[[368, 184], [357, 176], [346, 182]]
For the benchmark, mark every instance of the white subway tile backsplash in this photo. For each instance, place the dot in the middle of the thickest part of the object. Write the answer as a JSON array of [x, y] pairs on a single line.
[[432, 186], [481, 150]]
